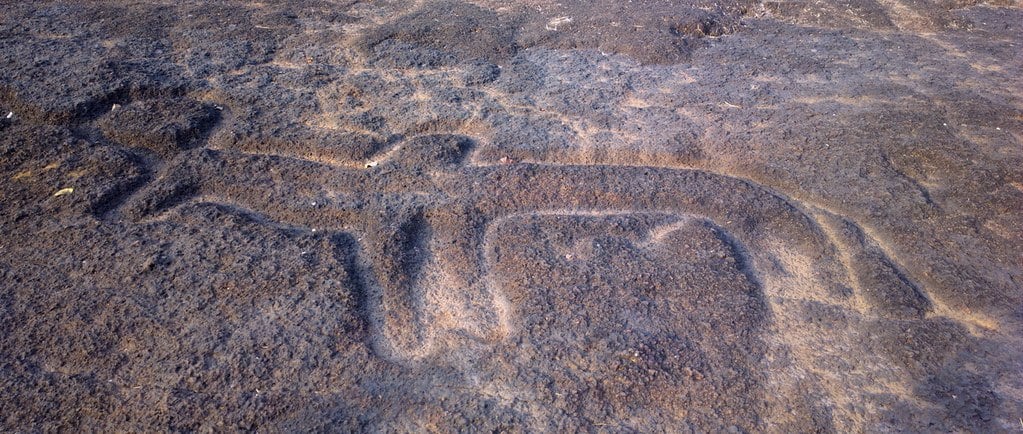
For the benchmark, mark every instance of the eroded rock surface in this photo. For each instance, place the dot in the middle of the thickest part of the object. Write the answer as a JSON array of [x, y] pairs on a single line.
[[652, 215]]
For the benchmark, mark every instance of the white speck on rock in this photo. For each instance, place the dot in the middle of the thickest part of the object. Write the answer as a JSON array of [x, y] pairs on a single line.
[[553, 24]]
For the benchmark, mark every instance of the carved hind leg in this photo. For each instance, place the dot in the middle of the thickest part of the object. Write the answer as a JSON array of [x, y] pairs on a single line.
[[879, 283]]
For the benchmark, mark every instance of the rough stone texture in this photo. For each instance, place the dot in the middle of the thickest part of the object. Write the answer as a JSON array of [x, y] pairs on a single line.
[[654, 215]]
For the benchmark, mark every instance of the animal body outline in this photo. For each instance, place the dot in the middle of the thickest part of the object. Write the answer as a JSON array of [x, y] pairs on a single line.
[[422, 218]]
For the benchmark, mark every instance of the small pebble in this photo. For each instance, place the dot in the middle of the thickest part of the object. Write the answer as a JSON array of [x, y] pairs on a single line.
[[64, 191]]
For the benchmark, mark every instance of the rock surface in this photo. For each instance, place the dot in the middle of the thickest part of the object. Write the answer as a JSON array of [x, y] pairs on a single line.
[[653, 215]]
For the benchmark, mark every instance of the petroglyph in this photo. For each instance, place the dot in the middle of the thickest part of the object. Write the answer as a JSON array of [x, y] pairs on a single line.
[[424, 222], [451, 201], [543, 216]]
